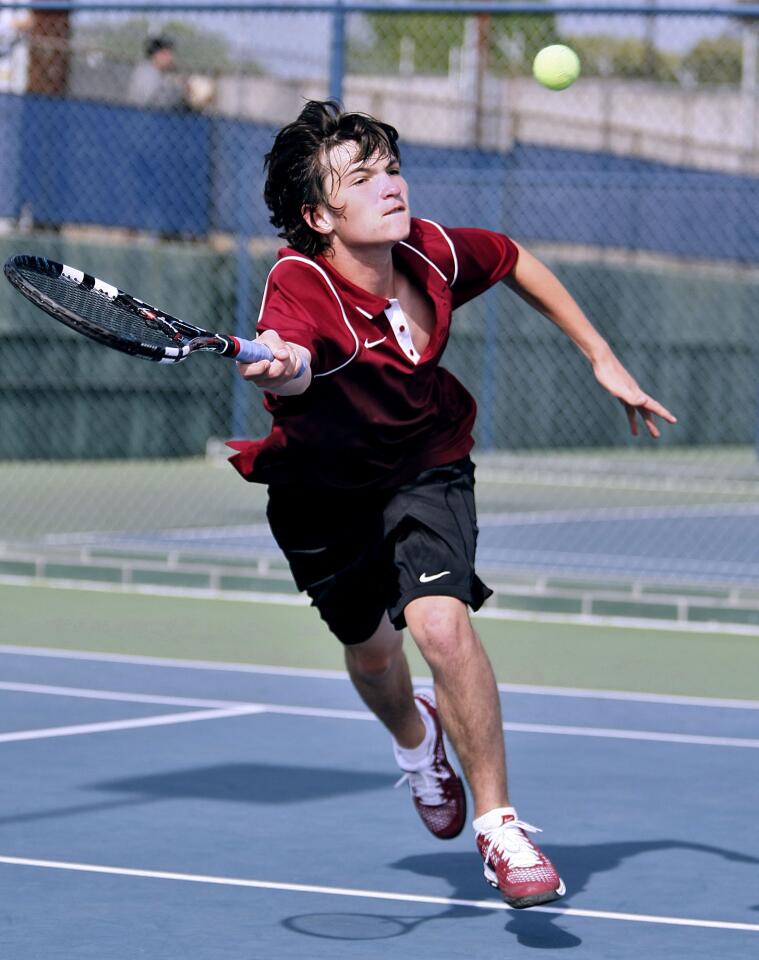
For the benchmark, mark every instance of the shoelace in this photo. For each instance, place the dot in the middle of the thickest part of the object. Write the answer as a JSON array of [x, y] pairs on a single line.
[[510, 842], [425, 785]]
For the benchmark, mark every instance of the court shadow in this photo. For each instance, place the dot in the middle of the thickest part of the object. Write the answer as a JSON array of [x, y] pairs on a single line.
[[541, 928], [355, 925], [463, 873], [577, 864], [460, 870], [237, 783], [250, 783]]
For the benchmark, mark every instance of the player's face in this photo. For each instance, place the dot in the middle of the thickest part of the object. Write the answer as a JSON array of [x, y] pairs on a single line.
[[371, 198]]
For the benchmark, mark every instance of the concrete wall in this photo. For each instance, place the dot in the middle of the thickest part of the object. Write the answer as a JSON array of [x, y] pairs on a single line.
[[713, 129]]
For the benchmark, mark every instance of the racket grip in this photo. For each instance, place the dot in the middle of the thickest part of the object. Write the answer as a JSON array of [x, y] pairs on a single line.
[[251, 351]]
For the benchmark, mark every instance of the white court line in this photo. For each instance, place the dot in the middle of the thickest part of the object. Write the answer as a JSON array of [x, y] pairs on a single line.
[[95, 656], [722, 628], [563, 730], [603, 481], [232, 708], [500, 518], [79, 729], [154, 590], [487, 905], [175, 533], [117, 695], [585, 693], [615, 734], [316, 674]]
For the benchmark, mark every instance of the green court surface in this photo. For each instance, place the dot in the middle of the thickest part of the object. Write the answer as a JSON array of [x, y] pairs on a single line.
[[281, 634]]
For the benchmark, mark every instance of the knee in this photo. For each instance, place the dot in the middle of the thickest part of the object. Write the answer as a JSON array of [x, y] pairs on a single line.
[[374, 659], [440, 628], [369, 665]]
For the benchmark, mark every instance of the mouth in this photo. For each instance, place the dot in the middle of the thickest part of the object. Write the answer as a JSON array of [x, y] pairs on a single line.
[[400, 208]]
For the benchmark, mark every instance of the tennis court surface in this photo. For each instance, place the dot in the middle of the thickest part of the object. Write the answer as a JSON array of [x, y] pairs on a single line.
[[170, 807]]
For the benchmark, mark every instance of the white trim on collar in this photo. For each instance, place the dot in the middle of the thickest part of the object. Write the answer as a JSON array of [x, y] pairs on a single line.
[[450, 244], [427, 259], [329, 283]]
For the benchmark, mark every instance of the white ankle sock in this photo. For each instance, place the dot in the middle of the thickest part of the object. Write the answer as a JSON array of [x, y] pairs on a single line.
[[409, 758], [493, 819]]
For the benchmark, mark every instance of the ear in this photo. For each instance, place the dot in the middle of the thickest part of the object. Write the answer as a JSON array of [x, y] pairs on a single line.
[[318, 218]]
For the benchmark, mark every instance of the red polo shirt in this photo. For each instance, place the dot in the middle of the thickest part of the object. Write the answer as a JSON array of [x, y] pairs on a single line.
[[375, 414]]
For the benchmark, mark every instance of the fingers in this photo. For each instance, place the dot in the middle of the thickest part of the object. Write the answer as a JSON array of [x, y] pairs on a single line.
[[655, 407], [632, 418], [266, 373], [648, 409], [613, 377], [648, 419]]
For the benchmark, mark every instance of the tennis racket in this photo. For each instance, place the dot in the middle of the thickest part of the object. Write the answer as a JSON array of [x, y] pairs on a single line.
[[118, 320]]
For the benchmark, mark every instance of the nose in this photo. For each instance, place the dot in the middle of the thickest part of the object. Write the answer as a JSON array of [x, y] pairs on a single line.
[[391, 186]]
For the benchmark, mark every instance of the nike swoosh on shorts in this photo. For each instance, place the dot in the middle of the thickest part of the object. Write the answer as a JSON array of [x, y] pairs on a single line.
[[428, 578]]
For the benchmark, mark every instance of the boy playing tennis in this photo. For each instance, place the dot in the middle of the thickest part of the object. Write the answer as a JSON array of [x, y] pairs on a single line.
[[370, 482]]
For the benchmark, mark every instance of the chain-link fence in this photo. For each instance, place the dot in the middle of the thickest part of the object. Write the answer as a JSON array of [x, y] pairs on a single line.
[[131, 146]]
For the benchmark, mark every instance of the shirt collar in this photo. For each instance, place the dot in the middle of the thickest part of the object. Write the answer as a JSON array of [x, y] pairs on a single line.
[[369, 303], [363, 300]]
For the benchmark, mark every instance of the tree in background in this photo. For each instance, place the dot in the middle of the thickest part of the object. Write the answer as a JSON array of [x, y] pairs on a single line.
[[391, 43], [505, 45], [627, 58], [717, 60]]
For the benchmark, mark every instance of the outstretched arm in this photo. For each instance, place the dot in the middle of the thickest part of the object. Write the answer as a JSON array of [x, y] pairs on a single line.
[[282, 375], [541, 289]]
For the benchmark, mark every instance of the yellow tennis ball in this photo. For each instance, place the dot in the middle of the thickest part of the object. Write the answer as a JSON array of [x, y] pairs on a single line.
[[556, 67]]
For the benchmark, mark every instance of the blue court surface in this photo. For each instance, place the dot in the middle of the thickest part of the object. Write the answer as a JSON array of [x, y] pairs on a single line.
[[184, 810]]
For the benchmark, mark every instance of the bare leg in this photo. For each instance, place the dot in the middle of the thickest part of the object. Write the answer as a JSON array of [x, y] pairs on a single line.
[[466, 694], [380, 673]]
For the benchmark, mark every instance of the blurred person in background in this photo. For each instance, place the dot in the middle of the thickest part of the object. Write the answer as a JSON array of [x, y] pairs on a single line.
[[14, 50], [154, 82]]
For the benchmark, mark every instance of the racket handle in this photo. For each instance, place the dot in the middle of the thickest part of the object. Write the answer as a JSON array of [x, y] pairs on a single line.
[[251, 351]]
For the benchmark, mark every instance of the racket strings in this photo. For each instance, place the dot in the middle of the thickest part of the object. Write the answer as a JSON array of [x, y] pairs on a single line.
[[118, 317]]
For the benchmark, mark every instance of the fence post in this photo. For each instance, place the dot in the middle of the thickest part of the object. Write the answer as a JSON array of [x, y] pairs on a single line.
[[241, 395], [337, 53], [492, 370]]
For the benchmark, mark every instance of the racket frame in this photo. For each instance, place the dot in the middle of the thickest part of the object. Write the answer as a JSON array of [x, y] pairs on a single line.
[[188, 337]]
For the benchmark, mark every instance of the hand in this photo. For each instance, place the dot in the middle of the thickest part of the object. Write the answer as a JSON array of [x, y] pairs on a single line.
[[274, 374], [615, 378]]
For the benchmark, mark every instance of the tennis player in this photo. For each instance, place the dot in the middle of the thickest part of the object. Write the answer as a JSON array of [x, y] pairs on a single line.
[[371, 489]]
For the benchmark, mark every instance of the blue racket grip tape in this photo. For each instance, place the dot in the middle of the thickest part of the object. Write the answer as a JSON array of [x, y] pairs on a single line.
[[251, 351]]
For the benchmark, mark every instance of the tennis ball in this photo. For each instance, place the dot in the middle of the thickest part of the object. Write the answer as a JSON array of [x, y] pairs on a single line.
[[556, 67]]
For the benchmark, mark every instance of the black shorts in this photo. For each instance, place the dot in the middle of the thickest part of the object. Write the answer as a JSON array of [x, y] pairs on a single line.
[[358, 555]]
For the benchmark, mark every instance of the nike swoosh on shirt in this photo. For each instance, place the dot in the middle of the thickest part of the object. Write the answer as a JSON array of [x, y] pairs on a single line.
[[373, 343], [428, 578]]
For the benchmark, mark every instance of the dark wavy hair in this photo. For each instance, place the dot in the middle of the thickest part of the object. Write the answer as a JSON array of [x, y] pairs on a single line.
[[298, 164]]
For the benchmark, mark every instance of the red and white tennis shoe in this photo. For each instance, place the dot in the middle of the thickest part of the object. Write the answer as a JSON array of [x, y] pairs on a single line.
[[513, 863], [436, 790]]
